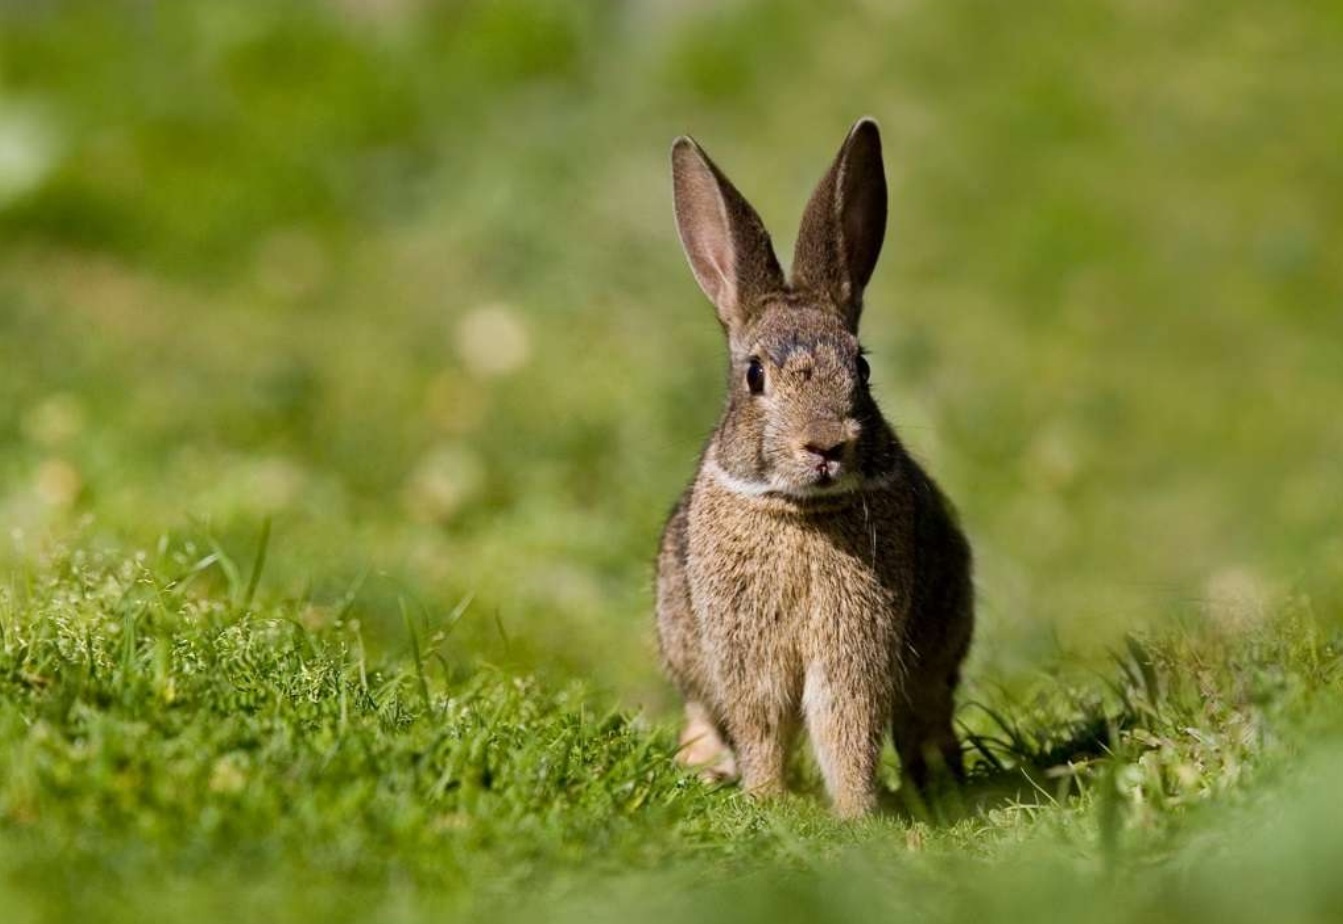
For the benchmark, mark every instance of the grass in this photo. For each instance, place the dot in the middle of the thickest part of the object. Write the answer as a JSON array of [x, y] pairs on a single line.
[[167, 739], [348, 364]]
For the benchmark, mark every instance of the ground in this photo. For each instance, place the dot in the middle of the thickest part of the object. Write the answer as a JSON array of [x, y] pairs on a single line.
[[349, 364]]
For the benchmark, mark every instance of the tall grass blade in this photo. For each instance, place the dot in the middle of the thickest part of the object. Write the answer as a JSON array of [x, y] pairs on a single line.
[[258, 565]]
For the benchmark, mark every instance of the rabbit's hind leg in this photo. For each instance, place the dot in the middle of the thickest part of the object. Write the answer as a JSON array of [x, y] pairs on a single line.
[[702, 746], [924, 736]]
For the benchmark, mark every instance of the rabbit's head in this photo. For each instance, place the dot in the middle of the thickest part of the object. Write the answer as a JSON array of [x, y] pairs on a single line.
[[800, 420]]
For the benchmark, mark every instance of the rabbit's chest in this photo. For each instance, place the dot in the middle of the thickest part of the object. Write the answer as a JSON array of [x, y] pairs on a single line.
[[792, 585]]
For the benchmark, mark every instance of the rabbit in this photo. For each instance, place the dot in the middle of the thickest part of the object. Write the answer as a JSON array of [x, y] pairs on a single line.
[[812, 573]]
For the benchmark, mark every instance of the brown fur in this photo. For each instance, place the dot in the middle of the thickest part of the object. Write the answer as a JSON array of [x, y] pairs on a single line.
[[812, 574]]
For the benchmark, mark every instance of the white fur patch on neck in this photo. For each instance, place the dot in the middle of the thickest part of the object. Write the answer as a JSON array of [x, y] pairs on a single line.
[[746, 487], [742, 486]]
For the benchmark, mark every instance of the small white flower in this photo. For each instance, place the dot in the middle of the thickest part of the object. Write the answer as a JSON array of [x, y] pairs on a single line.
[[445, 478], [28, 150], [493, 340]]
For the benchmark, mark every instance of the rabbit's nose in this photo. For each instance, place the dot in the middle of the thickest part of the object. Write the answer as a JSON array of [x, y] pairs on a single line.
[[828, 443], [828, 449]]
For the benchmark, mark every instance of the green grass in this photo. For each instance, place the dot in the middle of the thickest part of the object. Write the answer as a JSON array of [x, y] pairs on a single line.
[[166, 740], [395, 286]]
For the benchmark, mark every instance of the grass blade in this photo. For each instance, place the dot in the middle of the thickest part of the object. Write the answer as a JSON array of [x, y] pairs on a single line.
[[258, 565]]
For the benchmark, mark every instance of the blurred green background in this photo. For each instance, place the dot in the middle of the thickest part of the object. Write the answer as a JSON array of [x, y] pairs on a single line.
[[402, 276]]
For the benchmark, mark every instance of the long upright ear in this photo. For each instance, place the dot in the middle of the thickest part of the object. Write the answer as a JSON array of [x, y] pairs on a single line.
[[723, 237], [844, 224]]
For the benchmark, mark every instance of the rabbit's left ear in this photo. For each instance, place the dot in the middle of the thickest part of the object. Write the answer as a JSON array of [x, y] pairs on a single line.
[[844, 224], [726, 242]]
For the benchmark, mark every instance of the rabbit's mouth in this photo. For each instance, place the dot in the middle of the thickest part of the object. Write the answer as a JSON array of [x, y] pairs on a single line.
[[812, 473], [804, 488], [828, 482], [827, 473], [820, 479]]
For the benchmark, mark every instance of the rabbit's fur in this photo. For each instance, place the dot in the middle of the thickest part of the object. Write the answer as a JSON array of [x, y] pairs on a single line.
[[812, 572]]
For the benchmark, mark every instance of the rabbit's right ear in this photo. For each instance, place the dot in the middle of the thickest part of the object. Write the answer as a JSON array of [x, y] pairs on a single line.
[[845, 224], [723, 237]]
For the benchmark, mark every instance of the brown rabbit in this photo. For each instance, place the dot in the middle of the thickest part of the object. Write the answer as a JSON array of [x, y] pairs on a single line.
[[812, 571]]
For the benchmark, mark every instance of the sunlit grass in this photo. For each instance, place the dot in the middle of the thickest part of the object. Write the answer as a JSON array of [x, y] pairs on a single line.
[[159, 720]]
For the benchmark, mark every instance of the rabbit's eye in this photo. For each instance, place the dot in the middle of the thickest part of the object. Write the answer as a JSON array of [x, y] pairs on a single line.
[[864, 370], [755, 377]]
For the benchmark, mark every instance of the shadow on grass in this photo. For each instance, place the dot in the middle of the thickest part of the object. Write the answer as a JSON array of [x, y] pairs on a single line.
[[1033, 761], [1046, 777]]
